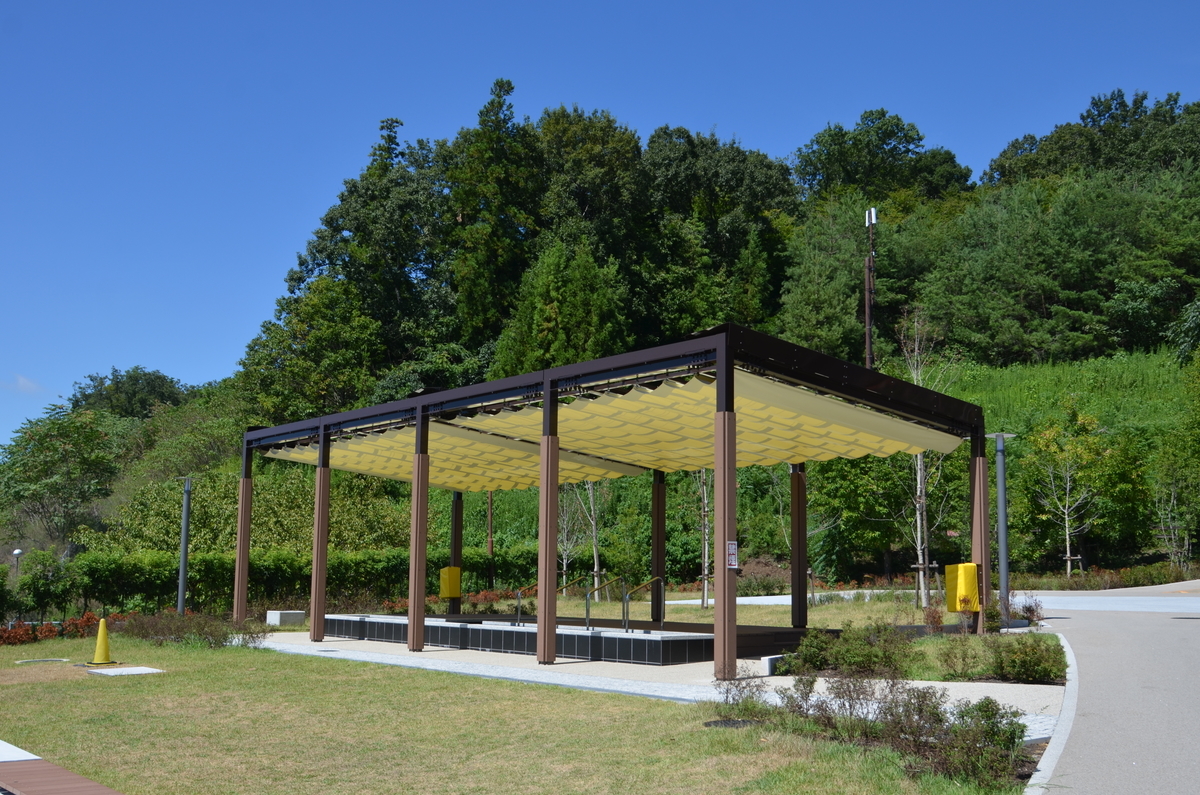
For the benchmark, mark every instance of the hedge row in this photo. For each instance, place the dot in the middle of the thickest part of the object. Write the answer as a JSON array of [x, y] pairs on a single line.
[[148, 580]]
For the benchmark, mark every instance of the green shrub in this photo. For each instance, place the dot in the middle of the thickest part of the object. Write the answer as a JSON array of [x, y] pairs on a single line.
[[958, 657], [991, 617], [877, 648], [1028, 657], [193, 629], [762, 585], [813, 654], [983, 742]]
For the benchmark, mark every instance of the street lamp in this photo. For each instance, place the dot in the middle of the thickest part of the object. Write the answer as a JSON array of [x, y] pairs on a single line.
[[17, 559], [1002, 516], [183, 545]]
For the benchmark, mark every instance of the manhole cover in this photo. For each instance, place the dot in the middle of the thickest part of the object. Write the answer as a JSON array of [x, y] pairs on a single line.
[[731, 724], [46, 659]]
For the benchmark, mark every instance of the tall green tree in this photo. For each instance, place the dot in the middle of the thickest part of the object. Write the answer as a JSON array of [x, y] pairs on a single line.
[[1112, 133], [58, 466], [496, 185], [320, 355], [594, 181], [881, 154], [823, 292], [131, 393], [387, 236], [571, 310]]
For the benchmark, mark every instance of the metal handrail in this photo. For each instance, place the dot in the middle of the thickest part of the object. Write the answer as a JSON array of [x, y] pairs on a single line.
[[519, 592], [587, 600], [663, 585], [572, 582]]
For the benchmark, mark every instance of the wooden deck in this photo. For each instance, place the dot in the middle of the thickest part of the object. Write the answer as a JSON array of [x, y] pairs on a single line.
[[39, 777]]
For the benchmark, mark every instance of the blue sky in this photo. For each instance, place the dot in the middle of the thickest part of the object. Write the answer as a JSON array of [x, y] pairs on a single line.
[[163, 162]]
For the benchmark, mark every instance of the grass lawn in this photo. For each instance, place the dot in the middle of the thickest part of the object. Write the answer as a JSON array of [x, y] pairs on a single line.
[[254, 721], [834, 615]]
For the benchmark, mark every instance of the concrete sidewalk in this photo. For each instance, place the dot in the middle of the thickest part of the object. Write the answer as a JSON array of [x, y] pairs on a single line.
[[1039, 704]]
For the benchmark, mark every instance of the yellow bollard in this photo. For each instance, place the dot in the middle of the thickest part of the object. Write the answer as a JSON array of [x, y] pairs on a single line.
[[101, 657]]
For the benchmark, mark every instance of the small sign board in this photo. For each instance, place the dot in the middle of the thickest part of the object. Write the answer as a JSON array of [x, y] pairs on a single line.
[[731, 555]]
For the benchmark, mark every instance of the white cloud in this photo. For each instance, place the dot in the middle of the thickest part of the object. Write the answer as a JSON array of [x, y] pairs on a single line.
[[25, 386]]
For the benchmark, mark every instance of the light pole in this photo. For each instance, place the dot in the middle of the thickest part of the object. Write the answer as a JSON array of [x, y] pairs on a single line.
[[183, 544], [17, 553], [1002, 516]]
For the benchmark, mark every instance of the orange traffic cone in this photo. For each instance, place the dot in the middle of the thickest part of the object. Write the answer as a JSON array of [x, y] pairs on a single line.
[[101, 657]]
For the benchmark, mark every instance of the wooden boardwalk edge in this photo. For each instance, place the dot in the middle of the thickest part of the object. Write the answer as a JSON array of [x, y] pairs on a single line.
[[39, 777]]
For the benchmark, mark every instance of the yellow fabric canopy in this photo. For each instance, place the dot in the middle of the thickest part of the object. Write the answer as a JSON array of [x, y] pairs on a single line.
[[609, 435]]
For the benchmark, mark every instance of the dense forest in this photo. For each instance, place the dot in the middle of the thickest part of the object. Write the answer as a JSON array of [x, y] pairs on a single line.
[[1058, 291]]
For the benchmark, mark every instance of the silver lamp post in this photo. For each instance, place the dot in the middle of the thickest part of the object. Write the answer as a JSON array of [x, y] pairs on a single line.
[[1002, 517], [17, 553], [183, 545]]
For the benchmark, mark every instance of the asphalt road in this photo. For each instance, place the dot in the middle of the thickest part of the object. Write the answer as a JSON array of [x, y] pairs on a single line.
[[1137, 721]]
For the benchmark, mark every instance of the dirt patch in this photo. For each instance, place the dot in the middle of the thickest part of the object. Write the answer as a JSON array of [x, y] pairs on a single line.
[[32, 673], [765, 567]]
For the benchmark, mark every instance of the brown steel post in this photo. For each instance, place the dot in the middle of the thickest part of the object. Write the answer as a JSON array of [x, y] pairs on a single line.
[[547, 598], [658, 543], [490, 549], [981, 547], [418, 535], [454, 604], [241, 566], [724, 577], [799, 545], [316, 618]]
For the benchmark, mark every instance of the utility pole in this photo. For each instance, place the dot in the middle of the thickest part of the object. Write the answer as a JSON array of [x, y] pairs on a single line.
[[869, 284]]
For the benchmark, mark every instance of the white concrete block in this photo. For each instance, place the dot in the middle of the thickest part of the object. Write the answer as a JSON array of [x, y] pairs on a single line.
[[285, 618]]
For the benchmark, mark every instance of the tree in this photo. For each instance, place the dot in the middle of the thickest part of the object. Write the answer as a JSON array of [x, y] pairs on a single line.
[[824, 283], [1046, 270], [1112, 133], [48, 580], [704, 484], [571, 310], [1184, 334], [713, 251], [929, 368], [132, 393], [436, 367], [1084, 478], [387, 236], [594, 181], [496, 183], [573, 528], [319, 356], [882, 154], [590, 498], [1063, 491], [57, 466]]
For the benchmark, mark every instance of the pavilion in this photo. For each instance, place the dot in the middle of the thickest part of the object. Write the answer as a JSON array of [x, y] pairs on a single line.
[[725, 398]]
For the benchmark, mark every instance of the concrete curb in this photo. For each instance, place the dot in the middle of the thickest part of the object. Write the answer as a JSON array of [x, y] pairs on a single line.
[[1040, 779]]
